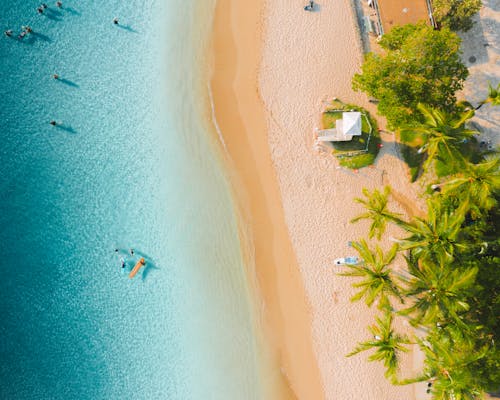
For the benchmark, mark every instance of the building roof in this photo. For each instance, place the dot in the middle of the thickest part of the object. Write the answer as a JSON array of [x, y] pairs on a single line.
[[402, 12]]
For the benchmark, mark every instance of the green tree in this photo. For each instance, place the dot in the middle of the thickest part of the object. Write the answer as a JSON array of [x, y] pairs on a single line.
[[435, 238], [455, 14], [376, 210], [438, 293], [420, 65], [439, 134], [478, 183], [386, 343], [377, 282], [450, 363], [493, 96]]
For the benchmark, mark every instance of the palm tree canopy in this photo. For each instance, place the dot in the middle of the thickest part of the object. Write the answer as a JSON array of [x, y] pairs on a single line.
[[439, 293], [377, 282], [435, 238], [386, 343], [478, 182], [440, 133], [376, 209]]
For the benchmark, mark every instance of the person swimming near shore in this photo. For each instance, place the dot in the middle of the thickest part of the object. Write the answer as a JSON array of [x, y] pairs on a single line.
[[27, 28], [115, 21], [59, 4], [132, 252], [22, 35], [53, 123], [44, 6], [8, 32], [39, 10], [55, 76]]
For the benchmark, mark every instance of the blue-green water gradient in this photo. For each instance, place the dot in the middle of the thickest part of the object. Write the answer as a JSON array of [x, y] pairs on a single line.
[[129, 164]]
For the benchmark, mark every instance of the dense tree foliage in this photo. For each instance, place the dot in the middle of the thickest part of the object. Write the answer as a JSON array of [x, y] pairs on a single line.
[[419, 65], [455, 14], [450, 290]]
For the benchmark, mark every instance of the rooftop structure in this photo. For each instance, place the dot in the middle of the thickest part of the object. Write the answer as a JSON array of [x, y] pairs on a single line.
[[400, 12]]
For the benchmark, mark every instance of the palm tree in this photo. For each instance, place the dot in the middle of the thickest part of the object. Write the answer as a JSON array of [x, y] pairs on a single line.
[[437, 237], [451, 364], [439, 293], [386, 343], [377, 211], [477, 182], [440, 133], [378, 282], [493, 96]]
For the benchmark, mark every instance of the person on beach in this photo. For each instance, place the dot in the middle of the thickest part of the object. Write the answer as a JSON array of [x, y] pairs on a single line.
[[115, 21], [309, 7], [53, 123], [8, 32]]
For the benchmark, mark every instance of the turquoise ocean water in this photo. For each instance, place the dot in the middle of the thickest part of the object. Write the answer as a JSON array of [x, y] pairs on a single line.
[[129, 165]]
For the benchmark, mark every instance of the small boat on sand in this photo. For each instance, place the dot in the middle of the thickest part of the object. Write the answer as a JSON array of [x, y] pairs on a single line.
[[137, 267]]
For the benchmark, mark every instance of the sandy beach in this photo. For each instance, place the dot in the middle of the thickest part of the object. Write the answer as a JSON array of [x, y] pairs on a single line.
[[275, 65]]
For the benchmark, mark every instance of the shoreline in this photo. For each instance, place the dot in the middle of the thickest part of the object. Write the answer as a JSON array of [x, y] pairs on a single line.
[[271, 78], [283, 312]]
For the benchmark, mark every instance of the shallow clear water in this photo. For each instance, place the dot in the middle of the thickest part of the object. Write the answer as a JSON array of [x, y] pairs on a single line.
[[129, 165]]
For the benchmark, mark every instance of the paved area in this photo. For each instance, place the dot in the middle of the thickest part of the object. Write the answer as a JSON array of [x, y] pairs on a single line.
[[481, 54]]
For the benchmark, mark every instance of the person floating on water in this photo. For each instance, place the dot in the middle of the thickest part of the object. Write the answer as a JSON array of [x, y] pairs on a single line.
[[22, 35], [55, 76], [132, 252], [8, 32], [53, 123], [115, 21], [27, 28], [59, 4], [44, 6], [40, 10]]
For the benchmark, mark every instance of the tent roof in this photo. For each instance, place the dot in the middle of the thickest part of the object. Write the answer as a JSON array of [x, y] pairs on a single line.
[[351, 123]]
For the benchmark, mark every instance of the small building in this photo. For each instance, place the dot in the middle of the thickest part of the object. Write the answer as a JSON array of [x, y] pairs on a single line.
[[401, 12], [345, 128]]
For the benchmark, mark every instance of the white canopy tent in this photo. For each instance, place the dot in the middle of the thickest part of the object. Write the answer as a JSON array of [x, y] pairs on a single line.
[[345, 128]]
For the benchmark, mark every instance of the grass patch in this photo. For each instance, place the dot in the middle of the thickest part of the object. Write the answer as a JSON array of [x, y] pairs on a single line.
[[343, 150]]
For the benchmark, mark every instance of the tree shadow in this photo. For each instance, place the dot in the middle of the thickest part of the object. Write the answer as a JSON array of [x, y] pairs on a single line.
[[474, 44], [68, 82], [127, 28]]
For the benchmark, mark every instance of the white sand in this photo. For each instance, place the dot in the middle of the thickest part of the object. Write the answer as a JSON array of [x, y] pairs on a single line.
[[308, 58]]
